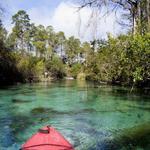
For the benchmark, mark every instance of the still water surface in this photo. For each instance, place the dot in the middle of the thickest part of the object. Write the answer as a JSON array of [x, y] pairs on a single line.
[[90, 117]]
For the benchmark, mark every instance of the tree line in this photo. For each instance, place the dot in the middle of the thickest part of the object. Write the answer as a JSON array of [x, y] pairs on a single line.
[[29, 50]]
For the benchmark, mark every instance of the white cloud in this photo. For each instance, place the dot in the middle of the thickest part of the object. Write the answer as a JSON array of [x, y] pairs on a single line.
[[83, 24], [40, 15], [65, 18], [86, 23]]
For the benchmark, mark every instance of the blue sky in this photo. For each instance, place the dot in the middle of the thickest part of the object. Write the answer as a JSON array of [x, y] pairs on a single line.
[[27, 4], [12, 6], [62, 15]]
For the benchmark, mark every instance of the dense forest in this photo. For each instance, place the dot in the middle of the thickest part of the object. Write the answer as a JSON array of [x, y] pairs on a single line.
[[31, 53]]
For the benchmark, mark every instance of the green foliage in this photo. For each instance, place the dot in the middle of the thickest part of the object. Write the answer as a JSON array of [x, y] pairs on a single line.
[[9, 73], [3, 33], [72, 47], [56, 67], [39, 67], [21, 28], [30, 66], [41, 48], [121, 60], [75, 70]]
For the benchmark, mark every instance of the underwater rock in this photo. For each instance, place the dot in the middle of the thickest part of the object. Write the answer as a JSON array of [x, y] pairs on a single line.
[[39, 110], [42, 110], [89, 110], [20, 101], [43, 119], [139, 115]]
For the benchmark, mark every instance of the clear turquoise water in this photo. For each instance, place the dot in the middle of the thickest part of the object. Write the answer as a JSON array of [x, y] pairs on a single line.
[[91, 118]]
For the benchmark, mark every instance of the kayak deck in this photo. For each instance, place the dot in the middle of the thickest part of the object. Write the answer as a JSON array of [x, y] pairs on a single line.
[[47, 138]]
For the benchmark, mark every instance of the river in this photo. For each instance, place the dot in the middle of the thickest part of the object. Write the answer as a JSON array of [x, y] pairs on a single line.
[[90, 117]]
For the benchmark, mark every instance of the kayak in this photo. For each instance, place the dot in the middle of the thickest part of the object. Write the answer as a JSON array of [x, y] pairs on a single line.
[[47, 138]]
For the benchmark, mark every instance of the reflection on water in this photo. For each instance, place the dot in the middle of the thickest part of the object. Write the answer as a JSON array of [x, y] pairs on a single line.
[[90, 117]]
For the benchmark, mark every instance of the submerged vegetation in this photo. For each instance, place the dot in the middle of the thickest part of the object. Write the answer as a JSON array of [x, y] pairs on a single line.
[[30, 53], [107, 117]]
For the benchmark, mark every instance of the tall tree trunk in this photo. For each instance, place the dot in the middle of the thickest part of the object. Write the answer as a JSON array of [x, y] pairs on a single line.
[[139, 18], [61, 50], [136, 17], [36, 52], [148, 14], [22, 45], [134, 24]]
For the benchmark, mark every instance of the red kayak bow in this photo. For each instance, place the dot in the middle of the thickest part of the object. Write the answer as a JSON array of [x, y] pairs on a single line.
[[47, 138]]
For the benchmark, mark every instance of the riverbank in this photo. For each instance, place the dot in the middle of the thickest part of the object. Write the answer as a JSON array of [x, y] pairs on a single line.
[[122, 67]]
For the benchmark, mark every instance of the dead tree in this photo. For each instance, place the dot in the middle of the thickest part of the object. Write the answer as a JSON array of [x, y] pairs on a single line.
[[138, 10]]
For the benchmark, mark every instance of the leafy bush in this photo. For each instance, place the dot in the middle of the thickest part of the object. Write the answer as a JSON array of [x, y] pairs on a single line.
[[75, 69], [56, 67], [9, 73], [30, 67], [123, 60]]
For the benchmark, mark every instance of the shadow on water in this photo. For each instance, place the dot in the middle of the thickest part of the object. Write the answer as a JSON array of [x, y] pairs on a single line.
[[128, 139], [138, 136], [120, 91], [42, 111], [146, 108]]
